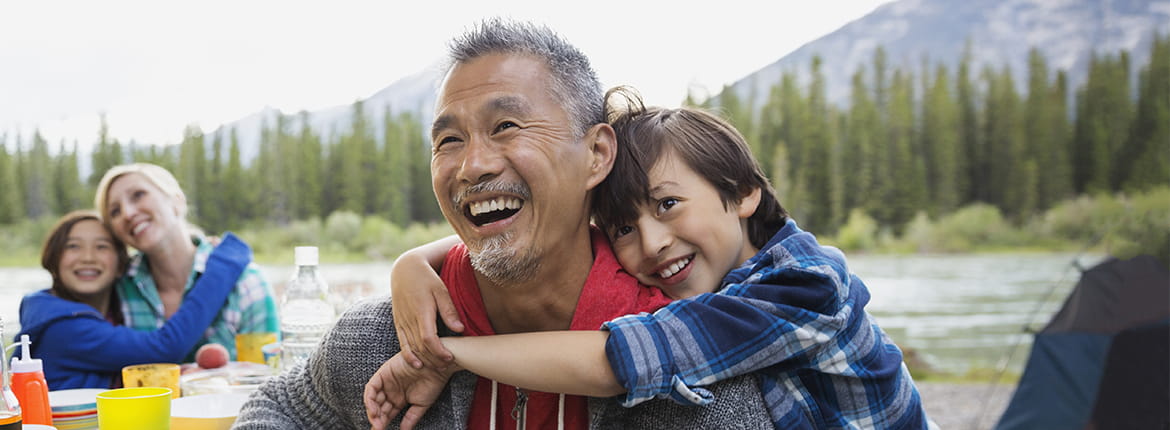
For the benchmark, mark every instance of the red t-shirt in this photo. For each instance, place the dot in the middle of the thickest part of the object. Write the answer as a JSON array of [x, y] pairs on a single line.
[[608, 293]]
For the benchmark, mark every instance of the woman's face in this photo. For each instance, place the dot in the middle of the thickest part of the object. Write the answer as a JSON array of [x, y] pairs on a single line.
[[89, 263], [140, 213]]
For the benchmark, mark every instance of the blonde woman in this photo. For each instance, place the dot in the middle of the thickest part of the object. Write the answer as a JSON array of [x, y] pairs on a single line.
[[146, 209]]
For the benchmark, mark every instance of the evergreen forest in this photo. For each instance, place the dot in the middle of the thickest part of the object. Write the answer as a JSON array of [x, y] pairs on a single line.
[[913, 151]]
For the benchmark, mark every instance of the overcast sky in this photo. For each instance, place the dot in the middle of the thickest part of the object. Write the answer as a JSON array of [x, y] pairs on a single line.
[[154, 67]]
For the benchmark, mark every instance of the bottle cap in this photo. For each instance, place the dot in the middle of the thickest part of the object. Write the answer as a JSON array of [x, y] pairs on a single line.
[[26, 364], [306, 255]]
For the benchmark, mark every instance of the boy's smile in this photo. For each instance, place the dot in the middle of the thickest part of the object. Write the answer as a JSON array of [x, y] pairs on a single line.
[[684, 240]]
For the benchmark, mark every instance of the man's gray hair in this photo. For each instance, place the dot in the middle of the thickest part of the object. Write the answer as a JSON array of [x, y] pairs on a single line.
[[574, 83]]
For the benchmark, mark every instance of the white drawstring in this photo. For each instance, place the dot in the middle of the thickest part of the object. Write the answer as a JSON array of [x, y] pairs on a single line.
[[495, 396], [561, 413], [495, 400]]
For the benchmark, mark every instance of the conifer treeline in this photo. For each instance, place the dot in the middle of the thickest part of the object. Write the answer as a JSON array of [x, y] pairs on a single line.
[[295, 176], [944, 139], [905, 144]]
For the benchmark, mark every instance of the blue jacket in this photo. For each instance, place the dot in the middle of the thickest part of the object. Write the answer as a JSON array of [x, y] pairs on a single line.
[[80, 349]]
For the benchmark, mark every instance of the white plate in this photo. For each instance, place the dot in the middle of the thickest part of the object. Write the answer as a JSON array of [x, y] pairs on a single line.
[[77, 399]]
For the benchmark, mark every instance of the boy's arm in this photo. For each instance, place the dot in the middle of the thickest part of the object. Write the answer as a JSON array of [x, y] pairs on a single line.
[[420, 295], [570, 362], [786, 321]]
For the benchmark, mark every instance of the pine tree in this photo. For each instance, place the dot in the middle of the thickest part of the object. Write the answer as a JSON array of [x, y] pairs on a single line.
[[38, 179], [817, 153], [309, 171], [11, 202], [68, 193], [235, 203], [859, 146], [1102, 124], [1146, 155], [397, 181], [971, 183], [940, 135]]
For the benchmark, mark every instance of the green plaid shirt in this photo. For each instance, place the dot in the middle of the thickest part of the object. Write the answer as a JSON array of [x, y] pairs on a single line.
[[250, 308]]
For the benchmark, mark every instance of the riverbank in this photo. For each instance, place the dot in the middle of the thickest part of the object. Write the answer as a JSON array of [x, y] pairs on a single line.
[[965, 406]]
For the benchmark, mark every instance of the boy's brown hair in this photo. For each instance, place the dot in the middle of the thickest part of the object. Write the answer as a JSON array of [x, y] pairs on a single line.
[[708, 145]]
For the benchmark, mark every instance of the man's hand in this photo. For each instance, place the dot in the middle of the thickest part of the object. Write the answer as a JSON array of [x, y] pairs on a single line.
[[397, 385]]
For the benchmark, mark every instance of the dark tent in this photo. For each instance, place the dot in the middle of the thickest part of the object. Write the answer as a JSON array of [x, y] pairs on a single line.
[[1103, 362]]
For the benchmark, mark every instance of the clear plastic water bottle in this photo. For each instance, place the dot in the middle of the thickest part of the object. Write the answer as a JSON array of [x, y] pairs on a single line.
[[305, 311], [10, 417]]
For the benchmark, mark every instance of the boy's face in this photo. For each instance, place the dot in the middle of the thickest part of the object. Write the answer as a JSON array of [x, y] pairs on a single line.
[[684, 241]]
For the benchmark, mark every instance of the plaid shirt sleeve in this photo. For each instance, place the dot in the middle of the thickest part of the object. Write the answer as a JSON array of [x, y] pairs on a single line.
[[787, 308], [257, 302]]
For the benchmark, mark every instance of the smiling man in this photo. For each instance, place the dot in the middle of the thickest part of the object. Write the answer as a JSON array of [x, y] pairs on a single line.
[[519, 143]]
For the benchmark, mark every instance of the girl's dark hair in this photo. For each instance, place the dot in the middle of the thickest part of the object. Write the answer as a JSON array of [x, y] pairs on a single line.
[[55, 246], [706, 143]]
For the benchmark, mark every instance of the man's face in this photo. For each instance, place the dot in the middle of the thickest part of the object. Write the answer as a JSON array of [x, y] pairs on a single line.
[[507, 173]]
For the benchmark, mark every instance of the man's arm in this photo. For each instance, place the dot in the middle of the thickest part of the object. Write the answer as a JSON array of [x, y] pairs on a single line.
[[326, 392]]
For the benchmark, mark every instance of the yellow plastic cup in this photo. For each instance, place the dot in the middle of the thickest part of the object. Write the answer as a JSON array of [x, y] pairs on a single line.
[[249, 346], [165, 375], [134, 408]]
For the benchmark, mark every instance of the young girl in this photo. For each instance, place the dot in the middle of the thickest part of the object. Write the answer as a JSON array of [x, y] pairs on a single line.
[[689, 211], [75, 326]]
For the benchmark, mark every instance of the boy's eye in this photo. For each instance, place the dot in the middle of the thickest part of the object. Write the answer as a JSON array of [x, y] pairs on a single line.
[[667, 203], [622, 231]]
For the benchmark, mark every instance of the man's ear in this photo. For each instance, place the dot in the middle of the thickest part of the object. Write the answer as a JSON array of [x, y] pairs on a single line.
[[748, 204], [601, 141]]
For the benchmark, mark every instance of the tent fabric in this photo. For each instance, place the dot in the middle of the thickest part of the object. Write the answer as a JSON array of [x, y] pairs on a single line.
[[1060, 384], [1114, 295], [1135, 388], [1103, 361]]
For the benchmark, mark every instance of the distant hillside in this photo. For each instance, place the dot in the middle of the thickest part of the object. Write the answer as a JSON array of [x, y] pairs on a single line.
[[415, 93], [1000, 32]]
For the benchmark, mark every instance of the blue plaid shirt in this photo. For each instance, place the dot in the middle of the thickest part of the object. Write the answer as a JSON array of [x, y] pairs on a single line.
[[250, 308], [794, 315]]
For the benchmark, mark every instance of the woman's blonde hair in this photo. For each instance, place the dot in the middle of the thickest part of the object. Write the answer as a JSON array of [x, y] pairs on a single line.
[[157, 175]]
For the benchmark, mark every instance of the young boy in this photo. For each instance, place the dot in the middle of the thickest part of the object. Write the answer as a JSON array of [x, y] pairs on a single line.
[[689, 211]]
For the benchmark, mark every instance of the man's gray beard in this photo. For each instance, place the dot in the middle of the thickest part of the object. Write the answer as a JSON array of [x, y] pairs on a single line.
[[502, 264]]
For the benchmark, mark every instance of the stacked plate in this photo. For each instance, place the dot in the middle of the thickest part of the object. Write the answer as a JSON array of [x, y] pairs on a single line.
[[75, 409]]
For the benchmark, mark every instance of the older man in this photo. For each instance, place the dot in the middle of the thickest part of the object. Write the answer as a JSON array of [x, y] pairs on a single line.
[[519, 143]]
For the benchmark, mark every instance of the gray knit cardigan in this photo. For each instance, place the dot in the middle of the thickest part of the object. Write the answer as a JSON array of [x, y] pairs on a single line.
[[327, 392]]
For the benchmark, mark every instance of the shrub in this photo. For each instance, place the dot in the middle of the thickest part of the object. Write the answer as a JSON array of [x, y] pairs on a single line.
[[859, 232], [343, 231]]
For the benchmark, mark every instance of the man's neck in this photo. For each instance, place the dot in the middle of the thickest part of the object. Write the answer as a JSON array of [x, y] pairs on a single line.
[[547, 301]]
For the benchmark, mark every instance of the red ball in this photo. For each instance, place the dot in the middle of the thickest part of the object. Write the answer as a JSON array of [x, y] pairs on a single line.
[[211, 356]]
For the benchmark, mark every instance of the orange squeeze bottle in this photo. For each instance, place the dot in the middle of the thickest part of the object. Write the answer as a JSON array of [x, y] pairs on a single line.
[[28, 381]]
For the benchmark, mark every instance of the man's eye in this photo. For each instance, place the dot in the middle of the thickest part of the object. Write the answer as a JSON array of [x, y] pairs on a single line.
[[505, 125], [445, 140]]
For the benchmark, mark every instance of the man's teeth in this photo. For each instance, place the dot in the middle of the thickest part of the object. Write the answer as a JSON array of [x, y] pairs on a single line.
[[89, 272], [495, 204], [674, 268]]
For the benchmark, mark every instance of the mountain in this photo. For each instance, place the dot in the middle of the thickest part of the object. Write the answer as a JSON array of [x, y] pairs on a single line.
[[414, 93], [1000, 32]]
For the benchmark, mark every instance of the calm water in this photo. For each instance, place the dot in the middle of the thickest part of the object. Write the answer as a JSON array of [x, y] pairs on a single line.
[[957, 311]]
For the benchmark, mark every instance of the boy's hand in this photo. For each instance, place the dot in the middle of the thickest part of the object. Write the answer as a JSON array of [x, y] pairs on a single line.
[[419, 294], [397, 385]]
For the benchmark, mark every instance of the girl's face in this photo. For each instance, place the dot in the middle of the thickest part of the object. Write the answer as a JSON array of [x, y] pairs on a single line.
[[89, 264], [684, 241], [141, 214]]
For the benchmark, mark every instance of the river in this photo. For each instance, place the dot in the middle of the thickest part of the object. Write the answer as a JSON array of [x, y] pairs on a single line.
[[957, 312]]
